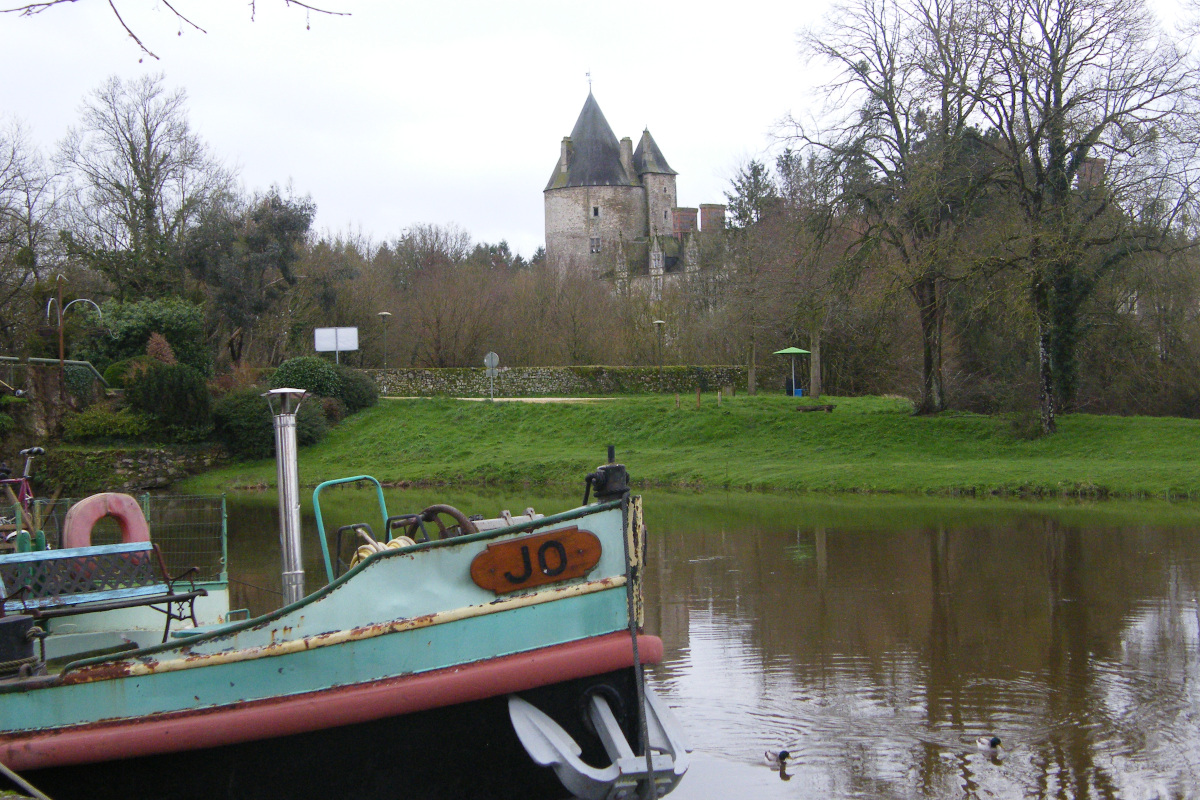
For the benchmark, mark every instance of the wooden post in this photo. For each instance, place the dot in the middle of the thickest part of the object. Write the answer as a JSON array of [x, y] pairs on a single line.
[[697, 397], [677, 400], [718, 398]]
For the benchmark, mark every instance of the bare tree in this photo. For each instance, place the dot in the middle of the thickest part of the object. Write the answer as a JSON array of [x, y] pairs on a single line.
[[30, 9], [28, 208], [1094, 108], [139, 177], [821, 252], [906, 154]]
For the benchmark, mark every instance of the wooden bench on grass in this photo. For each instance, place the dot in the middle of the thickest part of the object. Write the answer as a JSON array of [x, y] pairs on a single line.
[[82, 580]]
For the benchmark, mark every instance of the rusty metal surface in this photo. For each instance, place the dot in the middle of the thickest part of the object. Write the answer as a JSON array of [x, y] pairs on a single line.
[[190, 660]]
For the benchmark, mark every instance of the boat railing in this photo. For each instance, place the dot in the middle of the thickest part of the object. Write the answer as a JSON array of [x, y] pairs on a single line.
[[324, 540], [189, 529]]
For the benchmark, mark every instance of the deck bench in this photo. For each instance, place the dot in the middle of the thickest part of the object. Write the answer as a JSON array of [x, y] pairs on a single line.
[[82, 580]]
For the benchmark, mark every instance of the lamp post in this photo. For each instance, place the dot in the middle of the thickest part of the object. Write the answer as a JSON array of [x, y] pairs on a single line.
[[383, 318], [658, 326], [62, 310]]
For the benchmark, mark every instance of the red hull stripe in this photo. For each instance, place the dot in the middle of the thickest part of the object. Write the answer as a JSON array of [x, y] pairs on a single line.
[[330, 708]]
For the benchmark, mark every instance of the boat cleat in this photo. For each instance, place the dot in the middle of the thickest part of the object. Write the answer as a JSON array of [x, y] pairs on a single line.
[[550, 746]]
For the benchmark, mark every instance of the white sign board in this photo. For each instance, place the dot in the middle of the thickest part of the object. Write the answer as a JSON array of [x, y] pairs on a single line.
[[335, 340]]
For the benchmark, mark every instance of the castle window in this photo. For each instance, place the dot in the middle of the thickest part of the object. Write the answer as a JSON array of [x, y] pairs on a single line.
[[595, 211], [595, 244], [656, 260], [664, 215]]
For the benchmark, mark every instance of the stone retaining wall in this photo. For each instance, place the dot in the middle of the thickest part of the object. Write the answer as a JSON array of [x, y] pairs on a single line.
[[557, 381], [123, 470]]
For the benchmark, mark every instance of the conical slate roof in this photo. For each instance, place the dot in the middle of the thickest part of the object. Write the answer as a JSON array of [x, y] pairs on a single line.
[[648, 158], [595, 154]]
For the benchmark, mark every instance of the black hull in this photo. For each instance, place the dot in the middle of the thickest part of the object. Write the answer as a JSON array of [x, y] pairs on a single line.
[[462, 751]]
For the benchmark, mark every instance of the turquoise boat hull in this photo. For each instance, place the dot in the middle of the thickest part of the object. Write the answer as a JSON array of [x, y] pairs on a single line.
[[404, 644]]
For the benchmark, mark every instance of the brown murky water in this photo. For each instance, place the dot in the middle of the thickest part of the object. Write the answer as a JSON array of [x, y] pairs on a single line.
[[875, 639]]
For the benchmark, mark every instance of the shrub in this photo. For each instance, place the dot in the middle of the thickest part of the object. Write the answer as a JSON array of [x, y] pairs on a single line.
[[6, 424], [333, 409], [160, 350], [310, 373], [128, 327], [120, 374], [311, 426], [242, 422], [81, 383], [176, 397], [358, 390], [101, 422]]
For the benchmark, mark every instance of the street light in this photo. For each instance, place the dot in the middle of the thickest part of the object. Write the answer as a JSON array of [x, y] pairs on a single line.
[[658, 326], [383, 318], [62, 372]]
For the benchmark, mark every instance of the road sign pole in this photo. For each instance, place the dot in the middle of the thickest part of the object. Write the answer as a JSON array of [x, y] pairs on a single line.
[[491, 361]]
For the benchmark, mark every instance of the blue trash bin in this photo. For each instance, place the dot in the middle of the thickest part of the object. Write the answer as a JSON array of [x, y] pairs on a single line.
[[798, 392]]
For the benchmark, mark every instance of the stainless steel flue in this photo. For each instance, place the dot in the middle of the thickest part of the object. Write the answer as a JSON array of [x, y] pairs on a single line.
[[284, 404]]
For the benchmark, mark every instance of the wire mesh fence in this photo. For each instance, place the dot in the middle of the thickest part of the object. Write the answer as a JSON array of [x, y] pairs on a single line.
[[189, 529]]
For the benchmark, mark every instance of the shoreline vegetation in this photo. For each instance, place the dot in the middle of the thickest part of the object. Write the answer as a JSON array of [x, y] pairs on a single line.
[[866, 445]]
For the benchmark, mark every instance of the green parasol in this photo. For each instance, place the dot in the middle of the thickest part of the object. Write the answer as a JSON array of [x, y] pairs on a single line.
[[793, 352]]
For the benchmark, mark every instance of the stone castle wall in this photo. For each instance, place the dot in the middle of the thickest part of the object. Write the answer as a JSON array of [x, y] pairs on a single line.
[[570, 223]]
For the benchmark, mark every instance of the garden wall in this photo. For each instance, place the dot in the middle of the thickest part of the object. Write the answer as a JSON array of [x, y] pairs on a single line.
[[557, 381], [81, 470]]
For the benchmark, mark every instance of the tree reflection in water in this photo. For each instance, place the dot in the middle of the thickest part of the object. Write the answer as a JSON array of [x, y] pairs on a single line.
[[876, 639]]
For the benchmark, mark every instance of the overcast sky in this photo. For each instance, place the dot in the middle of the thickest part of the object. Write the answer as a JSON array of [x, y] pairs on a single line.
[[437, 112]]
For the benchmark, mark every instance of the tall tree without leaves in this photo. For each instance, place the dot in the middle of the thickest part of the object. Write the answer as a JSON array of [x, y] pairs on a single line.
[[906, 153], [28, 206], [139, 179], [1095, 108]]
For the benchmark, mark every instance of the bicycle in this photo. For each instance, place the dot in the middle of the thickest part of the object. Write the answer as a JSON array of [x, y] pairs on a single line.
[[19, 491], [15, 391]]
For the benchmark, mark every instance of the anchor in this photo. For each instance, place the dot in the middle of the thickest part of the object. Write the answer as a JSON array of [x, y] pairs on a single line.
[[550, 746]]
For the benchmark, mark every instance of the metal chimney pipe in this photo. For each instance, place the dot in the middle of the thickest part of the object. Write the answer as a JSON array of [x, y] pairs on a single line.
[[287, 476]]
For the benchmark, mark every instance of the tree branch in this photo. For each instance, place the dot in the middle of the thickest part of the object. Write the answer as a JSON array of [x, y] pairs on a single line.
[[30, 9]]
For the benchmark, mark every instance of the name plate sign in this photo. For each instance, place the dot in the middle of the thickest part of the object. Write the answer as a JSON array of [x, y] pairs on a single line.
[[536, 560]]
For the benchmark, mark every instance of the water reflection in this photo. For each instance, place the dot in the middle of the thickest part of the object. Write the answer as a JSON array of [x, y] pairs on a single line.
[[877, 638], [877, 652]]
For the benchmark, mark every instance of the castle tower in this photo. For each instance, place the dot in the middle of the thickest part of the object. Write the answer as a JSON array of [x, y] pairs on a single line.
[[658, 179], [595, 202]]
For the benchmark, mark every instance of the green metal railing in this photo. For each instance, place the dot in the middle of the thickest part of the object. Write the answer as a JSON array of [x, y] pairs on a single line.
[[321, 521]]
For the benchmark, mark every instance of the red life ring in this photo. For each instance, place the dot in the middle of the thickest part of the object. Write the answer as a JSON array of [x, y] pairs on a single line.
[[77, 527]]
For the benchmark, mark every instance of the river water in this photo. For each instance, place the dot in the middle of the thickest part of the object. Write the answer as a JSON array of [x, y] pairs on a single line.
[[875, 639]]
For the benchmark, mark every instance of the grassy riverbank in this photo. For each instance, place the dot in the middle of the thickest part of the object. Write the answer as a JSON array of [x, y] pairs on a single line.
[[758, 443]]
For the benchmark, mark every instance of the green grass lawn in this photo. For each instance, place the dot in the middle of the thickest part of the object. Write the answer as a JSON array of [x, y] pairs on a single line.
[[868, 444]]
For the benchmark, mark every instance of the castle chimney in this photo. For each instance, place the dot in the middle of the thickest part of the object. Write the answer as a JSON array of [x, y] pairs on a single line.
[[712, 217], [627, 157], [564, 158], [685, 220]]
